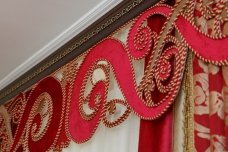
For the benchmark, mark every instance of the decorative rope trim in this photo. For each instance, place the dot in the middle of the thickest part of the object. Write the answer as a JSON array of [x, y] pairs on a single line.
[[189, 106]]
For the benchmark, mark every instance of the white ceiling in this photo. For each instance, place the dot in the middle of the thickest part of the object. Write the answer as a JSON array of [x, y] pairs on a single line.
[[30, 30]]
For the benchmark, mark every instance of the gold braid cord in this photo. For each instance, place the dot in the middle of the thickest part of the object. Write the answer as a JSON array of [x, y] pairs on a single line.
[[189, 106]]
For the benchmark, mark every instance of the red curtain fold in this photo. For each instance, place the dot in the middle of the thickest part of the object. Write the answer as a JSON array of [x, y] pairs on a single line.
[[156, 136]]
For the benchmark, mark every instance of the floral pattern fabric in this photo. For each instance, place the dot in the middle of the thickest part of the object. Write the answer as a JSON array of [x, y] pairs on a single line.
[[210, 101]]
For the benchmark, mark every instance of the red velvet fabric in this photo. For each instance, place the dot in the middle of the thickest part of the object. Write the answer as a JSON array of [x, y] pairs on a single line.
[[203, 45], [53, 88], [82, 130], [156, 135]]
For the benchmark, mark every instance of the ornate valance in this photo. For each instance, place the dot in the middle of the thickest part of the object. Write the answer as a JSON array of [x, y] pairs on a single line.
[[166, 66]]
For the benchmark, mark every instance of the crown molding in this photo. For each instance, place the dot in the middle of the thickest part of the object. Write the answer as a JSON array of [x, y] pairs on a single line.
[[111, 19], [90, 17]]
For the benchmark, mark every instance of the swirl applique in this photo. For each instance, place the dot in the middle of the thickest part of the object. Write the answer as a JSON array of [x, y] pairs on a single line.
[[40, 123]]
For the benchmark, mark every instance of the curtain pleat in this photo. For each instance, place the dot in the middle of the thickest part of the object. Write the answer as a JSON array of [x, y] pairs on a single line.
[[156, 136]]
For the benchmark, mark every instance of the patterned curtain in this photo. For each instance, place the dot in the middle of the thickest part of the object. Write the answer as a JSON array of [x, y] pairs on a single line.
[[210, 102]]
